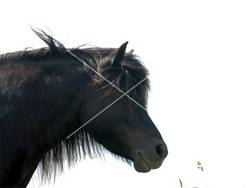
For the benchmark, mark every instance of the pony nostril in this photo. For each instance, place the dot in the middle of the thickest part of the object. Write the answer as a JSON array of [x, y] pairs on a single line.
[[162, 150]]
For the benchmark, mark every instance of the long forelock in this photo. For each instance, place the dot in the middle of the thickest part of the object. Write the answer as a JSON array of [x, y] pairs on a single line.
[[131, 72]]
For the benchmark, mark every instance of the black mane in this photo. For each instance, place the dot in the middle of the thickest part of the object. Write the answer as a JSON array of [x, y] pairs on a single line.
[[81, 144]]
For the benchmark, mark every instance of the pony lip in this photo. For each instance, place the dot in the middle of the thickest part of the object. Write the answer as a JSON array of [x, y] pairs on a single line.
[[140, 164], [143, 165]]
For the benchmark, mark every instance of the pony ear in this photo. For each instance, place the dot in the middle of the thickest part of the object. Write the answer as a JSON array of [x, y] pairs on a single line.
[[129, 80], [119, 55], [131, 52]]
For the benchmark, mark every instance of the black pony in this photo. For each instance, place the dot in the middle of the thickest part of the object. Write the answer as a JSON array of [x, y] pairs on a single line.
[[46, 94]]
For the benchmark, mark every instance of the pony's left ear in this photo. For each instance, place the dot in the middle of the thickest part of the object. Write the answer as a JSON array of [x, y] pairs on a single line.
[[119, 55], [131, 52]]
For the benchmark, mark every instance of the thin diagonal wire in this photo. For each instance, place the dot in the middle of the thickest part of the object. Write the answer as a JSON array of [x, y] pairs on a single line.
[[79, 59], [104, 109]]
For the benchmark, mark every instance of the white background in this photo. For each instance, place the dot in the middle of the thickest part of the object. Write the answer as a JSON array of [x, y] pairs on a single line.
[[198, 54]]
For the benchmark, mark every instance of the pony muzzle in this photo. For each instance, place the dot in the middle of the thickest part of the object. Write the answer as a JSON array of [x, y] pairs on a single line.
[[152, 158]]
